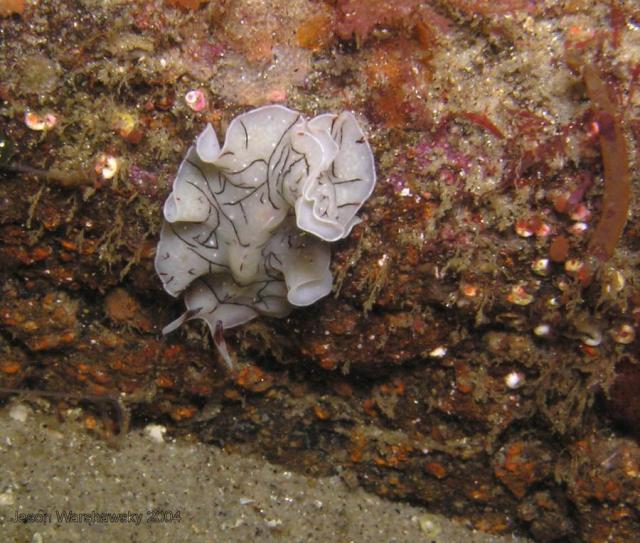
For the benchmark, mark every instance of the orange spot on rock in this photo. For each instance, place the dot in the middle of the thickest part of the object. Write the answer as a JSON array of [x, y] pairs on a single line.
[[172, 351], [328, 363], [316, 32], [396, 73], [321, 413], [51, 341], [41, 253], [100, 376], [123, 308], [436, 469], [254, 379], [356, 447], [183, 412], [589, 350], [559, 250], [231, 394], [11, 7], [343, 388], [90, 423], [185, 4], [164, 381], [120, 306], [97, 390], [10, 367]]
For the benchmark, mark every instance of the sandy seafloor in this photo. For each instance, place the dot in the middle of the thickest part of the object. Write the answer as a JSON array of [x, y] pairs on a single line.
[[174, 490]]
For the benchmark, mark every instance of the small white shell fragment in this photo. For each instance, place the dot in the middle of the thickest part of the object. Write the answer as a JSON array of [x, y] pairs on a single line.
[[523, 229], [552, 302], [578, 228], [541, 266], [542, 330], [19, 412], [592, 338], [623, 334], [580, 213], [573, 265], [35, 121], [155, 432], [7, 498], [429, 525], [438, 352], [514, 379], [519, 295], [107, 166], [614, 281]]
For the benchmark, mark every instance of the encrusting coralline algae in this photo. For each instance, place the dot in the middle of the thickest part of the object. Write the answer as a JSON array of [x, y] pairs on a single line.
[[247, 226]]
